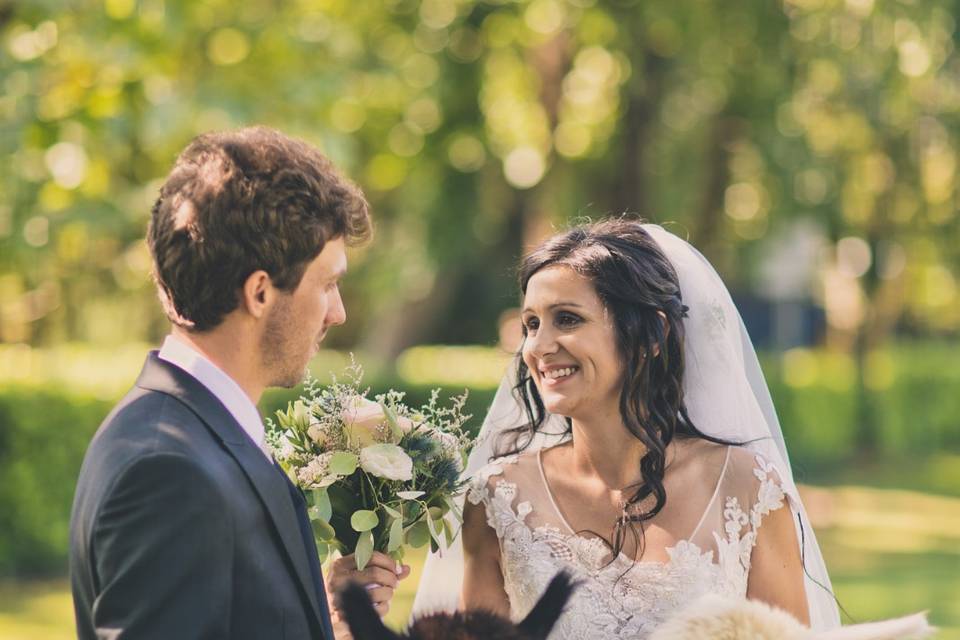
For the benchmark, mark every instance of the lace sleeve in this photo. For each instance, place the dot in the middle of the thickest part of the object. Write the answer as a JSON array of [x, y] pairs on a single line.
[[496, 494], [760, 493], [770, 495]]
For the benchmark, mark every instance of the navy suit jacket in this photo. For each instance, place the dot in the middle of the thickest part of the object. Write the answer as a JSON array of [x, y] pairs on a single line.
[[181, 527]]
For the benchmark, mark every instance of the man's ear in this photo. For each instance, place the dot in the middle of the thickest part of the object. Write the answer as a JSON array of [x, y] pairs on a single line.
[[666, 332], [256, 294]]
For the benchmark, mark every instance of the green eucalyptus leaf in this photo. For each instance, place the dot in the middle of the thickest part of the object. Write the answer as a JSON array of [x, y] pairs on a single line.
[[393, 512], [321, 502], [364, 520], [343, 463], [413, 511], [436, 528], [364, 550], [418, 534], [448, 533], [396, 535], [323, 551], [322, 530]]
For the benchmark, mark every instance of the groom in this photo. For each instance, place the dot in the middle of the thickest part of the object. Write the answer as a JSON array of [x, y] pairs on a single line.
[[182, 525]]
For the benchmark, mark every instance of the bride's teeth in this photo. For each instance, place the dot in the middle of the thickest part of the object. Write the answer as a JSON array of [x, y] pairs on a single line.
[[560, 373]]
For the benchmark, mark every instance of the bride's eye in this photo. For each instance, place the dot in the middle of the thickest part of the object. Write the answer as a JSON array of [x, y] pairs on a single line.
[[566, 320], [531, 324]]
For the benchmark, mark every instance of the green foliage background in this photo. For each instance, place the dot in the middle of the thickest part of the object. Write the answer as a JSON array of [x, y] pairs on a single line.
[[476, 127]]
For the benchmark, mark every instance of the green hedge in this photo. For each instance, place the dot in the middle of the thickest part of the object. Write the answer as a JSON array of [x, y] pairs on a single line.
[[914, 390], [43, 434], [44, 430]]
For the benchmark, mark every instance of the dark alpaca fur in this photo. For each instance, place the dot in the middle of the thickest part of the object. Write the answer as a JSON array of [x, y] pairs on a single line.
[[365, 623]]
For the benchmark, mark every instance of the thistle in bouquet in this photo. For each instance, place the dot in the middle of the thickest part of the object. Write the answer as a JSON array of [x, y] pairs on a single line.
[[378, 475]]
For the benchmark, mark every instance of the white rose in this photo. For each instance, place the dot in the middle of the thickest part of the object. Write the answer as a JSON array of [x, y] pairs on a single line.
[[386, 461], [365, 423]]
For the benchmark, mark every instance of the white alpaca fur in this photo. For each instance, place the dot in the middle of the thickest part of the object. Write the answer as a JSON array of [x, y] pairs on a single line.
[[713, 617]]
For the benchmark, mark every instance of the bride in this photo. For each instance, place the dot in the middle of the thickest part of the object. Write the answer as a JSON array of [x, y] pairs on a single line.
[[635, 445]]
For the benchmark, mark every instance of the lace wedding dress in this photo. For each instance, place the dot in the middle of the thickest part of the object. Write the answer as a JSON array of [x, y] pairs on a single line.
[[712, 534], [712, 527]]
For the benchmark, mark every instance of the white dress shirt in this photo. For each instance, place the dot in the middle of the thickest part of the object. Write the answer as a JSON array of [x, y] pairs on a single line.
[[223, 387]]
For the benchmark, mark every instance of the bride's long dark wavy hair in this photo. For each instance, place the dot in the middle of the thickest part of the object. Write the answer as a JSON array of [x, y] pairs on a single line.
[[636, 283]]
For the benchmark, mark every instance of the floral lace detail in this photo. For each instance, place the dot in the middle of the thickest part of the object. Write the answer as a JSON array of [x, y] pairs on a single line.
[[734, 551], [622, 598], [477, 490]]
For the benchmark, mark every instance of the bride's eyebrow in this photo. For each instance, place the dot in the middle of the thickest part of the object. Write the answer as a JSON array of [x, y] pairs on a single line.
[[554, 306]]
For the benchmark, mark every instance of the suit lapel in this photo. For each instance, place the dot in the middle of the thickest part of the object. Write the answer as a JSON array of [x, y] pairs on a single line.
[[159, 375]]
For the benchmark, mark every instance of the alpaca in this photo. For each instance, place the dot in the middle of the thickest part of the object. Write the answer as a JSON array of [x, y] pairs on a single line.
[[713, 617], [365, 623]]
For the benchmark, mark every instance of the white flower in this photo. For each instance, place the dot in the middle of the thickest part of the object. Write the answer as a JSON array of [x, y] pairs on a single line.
[[386, 461]]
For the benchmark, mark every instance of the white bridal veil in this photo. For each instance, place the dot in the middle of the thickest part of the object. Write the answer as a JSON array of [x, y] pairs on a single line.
[[726, 396]]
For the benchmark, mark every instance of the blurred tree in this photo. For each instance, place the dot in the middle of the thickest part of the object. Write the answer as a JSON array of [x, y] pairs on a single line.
[[875, 104], [475, 127]]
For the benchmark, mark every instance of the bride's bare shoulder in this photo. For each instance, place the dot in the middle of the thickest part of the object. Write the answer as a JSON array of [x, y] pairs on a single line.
[[696, 455]]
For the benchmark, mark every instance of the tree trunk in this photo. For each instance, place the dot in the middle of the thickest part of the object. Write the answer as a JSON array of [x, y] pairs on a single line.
[[707, 224], [644, 95]]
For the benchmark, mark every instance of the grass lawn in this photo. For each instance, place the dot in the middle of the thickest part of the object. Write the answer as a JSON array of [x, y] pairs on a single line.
[[36, 611], [890, 552]]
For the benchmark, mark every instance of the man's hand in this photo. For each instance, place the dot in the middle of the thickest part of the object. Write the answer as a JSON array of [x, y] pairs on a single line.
[[381, 577]]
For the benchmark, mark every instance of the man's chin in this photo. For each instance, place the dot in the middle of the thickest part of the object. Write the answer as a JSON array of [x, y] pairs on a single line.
[[290, 380]]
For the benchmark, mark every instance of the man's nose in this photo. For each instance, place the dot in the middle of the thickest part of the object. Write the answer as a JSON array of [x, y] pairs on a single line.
[[336, 314]]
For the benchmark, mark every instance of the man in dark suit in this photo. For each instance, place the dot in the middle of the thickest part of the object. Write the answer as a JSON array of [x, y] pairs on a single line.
[[182, 524]]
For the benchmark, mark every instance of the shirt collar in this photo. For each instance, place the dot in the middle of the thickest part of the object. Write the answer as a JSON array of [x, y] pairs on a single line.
[[177, 352]]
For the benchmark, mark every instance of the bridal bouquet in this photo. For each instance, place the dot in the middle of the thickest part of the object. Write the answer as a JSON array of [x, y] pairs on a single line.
[[377, 474]]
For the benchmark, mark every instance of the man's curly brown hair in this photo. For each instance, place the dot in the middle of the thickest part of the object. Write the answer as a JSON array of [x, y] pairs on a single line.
[[240, 201]]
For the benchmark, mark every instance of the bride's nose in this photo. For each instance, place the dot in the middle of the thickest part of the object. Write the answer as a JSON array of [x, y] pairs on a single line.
[[540, 344]]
